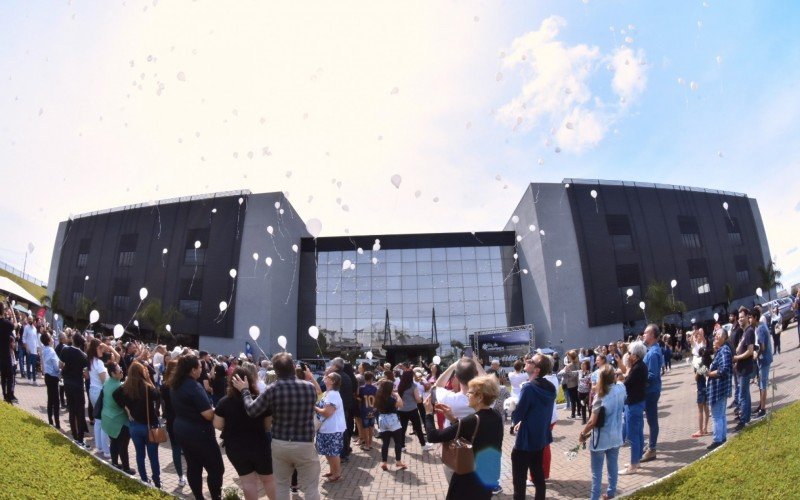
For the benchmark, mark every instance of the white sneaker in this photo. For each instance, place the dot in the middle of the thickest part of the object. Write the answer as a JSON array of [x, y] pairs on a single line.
[[182, 481], [428, 447], [528, 483]]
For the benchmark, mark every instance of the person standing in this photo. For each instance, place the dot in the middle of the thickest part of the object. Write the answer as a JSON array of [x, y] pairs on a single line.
[[775, 322], [764, 361], [366, 398], [97, 377], [409, 394], [719, 386], [169, 417], [701, 359], [745, 367], [570, 375], [654, 359], [193, 428], [635, 387], [330, 434], [387, 402], [606, 440], [31, 340], [737, 330], [291, 402], [7, 346], [796, 309], [115, 421], [74, 372], [51, 368], [532, 420]]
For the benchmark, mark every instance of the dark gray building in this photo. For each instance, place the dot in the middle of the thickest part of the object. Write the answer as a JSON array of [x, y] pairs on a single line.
[[563, 263]]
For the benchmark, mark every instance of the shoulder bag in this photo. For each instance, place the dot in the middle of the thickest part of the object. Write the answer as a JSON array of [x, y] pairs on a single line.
[[155, 434], [457, 453]]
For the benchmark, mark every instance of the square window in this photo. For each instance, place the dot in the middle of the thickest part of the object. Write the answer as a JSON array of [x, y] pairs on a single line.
[[378, 296], [423, 254], [394, 269], [453, 253], [392, 256], [472, 307], [482, 253], [485, 293], [408, 255], [425, 295], [470, 279], [424, 282], [484, 266], [440, 295], [409, 268], [471, 293], [409, 296], [423, 268], [394, 297], [83, 259], [485, 279], [348, 297], [469, 266], [189, 308], [468, 253], [409, 282], [455, 280], [438, 254], [456, 294], [393, 283]]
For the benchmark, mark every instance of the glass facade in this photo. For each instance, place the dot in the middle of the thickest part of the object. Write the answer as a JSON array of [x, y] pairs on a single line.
[[469, 287]]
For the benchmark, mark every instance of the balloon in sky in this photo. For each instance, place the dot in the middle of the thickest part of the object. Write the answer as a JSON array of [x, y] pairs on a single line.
[[168, 327], [254, 332], [629, 292], [282, 341], [94, 315], [255, 256], [716, 316], [314, 227], [136, 323], [280, 211], [641, 305], [241, 200], [197, 244], [541, 231], [118, 330], [759, 292], [213, 210], [369, 354], [165, 251], [514, 219], [86, 278], [374, 260], [673, 283], [222, 306], [693, 85], [313, 332], [55, 317], [268, 260], [269, 229], [725, 205], [396, 180], [519, 238], [294, 248], [558, 263], [437, 360], [593, 193], [142, 293], [232, 272], [532, 228], [360, 251], [516, 256], [524, 271], [277, 205], [346, 265], [376, 246]]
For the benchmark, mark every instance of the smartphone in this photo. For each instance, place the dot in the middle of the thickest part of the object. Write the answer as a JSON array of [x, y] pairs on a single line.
[[303, 366], [468, 351]]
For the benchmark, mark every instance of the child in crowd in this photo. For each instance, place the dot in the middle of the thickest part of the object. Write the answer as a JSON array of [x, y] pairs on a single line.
[[366, 402], [584, 386]]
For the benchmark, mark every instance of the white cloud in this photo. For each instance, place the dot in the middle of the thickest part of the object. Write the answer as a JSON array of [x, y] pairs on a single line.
[[556, 92]]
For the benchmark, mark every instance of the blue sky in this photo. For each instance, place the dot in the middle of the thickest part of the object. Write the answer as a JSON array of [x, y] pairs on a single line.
[[112, 103]]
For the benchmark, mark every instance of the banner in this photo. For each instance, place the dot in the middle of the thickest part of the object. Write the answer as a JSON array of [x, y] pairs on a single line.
[[506, 346]]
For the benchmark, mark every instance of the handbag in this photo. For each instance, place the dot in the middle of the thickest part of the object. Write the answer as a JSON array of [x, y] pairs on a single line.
[[154, 434], [457, 453], [97, 409]]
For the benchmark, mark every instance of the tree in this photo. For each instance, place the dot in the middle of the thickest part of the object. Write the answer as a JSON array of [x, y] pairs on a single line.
[[84, 306], [46, 301], [729, 293], [157, 318], [769, 278], [457, 345], [661, 303]]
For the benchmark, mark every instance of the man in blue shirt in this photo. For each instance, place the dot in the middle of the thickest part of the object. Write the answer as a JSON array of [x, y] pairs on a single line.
[[764, 358], [654, 359], [719, 386], [532, 424]]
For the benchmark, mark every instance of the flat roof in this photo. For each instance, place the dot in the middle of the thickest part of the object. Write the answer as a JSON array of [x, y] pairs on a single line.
[[167, 201], [406, 241], [605, 182]]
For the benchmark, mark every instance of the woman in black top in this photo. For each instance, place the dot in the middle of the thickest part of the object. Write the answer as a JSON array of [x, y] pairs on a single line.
[[635, 385], [193, 429], [139, 398], [387, 403], [246, 442], [169, 416], [488, 440], [219, 383]]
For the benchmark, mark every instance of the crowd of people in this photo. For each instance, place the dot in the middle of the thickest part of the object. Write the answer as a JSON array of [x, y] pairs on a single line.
[[276, 418]]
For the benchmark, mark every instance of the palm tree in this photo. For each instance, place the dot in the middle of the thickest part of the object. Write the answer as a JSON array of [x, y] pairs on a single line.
[[157, 318], [661, 303], [84, 306], [769, 278]]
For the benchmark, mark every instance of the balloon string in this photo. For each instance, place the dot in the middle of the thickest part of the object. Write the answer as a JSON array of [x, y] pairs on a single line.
[[272, 237], [291, 284], [193, 274], [134, 315]]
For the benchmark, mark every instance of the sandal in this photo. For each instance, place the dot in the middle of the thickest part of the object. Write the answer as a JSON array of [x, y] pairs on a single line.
[[629, 470], [334, 479], [698, 434], [327, 474], [385, 467]]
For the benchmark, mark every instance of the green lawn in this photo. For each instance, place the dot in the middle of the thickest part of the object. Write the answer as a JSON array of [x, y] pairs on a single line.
[[762, 462], [37, 462]]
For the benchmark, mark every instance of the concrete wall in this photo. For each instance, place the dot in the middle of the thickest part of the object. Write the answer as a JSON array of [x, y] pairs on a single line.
[[265, 296], [54, 261]]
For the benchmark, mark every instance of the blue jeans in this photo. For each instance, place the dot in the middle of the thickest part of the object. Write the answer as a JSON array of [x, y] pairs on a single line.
[[21, 356], [33, 364], [634, 420], [140, 444], [744, 397], [651, 410], [612, 464], [718, 409]]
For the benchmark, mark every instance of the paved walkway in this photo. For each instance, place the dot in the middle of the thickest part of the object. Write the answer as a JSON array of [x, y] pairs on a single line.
[[425, 480]]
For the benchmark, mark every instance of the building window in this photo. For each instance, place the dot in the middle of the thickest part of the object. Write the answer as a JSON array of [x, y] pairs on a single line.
[[189, 308], [195, 256], [628, 278], [690, 231], [734, 232], [121, 302], [76, 297], [742, 269], [700, 285], [698, 276], [83, 251], [83, 258], [743, 277], [126, 259], [619, 228]]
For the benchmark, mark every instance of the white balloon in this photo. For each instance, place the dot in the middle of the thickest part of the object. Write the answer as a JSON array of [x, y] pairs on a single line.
[[55, 317], [694, 320], [346, 265], [352, 267], [86, 278], [165, 251], [532, 228], [213, 210], [119, 330], [280, 211], [142, 293], [693, 85], [360, 251], [716, 316], [269, 229], [396, 180], [255, 256], [197, 244], [376, 247], [541, 231], [369, 354], [94, 316], [294, 248], [593, 193], [437, 360], [374, 260], [282, 341], [313, 332], [222, 306], [558, 263], [673, 283], [725, 205], [268, 260], [566, 186], [519, 238], [241, 200], [136, 323], [232, 273], [629, 292], [759, 291], [254, 332], [277, 205], [641, 305], [314, 227], [516, 256], [514, 219], [168, 327], [524, 271]]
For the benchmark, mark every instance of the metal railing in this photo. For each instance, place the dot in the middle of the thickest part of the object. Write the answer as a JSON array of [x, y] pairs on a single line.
[[27, 277], [222, 194], [603, 182]]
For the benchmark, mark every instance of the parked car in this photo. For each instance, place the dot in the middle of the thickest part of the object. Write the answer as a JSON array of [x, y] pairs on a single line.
[[784, 307]]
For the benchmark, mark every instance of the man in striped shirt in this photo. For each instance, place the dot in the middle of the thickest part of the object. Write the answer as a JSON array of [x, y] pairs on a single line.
[[719, 386]]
